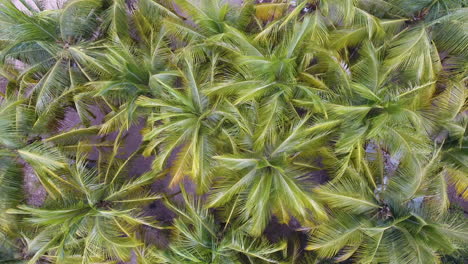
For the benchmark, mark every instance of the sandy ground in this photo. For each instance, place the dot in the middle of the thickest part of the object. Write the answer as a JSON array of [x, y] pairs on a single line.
[[3, 84], [46, 4], [35, 194]]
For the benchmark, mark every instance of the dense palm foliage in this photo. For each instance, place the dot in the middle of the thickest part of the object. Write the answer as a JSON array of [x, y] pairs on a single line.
[[313, 131]]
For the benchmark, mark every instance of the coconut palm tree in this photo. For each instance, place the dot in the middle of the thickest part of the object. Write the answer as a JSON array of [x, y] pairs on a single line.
[[201, 239], [20, 147], [254, 184], [96, 221], [201, 21], [186, 122], [56, 49], [393, 217]]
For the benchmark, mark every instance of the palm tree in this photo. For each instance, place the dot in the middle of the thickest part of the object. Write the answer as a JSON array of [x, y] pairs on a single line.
[[135, 55], [58, 50], [199, 238], [203, 21], [268, 71], [450, 108], [20, 146], [96, 221], [255, 184], [398, 218], [184, 121]]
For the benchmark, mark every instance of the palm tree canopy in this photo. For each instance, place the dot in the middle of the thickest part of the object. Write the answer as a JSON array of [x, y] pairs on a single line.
[[182, 131]]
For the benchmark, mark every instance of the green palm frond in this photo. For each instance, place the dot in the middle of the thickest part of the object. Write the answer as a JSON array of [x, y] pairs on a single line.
[[347, 195], [116, 21]]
